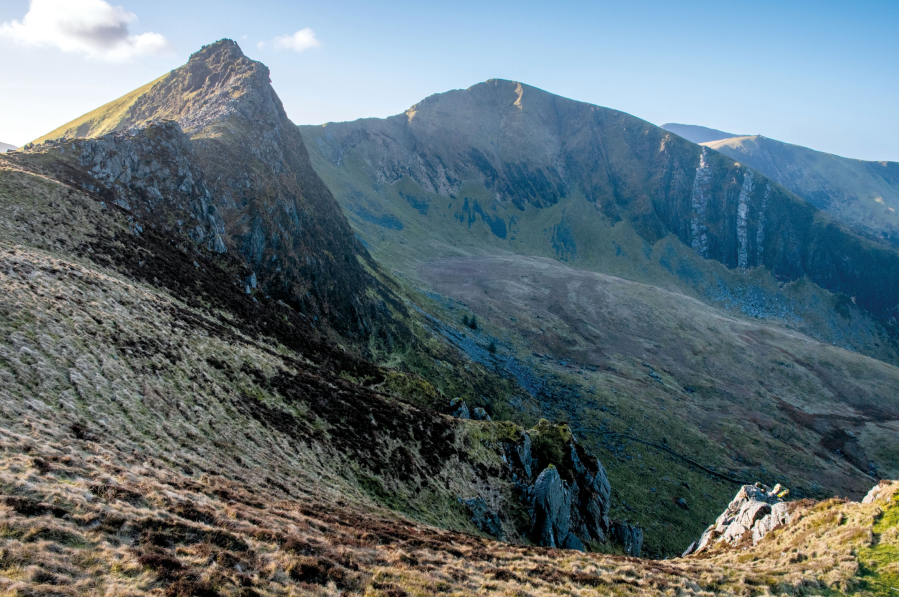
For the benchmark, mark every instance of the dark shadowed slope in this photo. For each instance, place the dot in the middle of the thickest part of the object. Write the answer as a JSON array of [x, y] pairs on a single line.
[[695, 133], [862, 194]]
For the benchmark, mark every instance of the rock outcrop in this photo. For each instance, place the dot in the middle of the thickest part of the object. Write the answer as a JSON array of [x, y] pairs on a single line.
[[484, 518], [568, 501], [154, 175], [563, 490], [753, 513], [458, 409]]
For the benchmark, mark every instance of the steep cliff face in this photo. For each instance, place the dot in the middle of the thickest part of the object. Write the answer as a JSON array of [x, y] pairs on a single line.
[[531, 149], [860, 194], [242, 166]]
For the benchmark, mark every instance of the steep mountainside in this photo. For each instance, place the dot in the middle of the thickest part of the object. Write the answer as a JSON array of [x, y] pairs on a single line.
[[501, 144], [697, 134], [164, 433], [129, 360], [862, 194], [237, 178], [674, 307]]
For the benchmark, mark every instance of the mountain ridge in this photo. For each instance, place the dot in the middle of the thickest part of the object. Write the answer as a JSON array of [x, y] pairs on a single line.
[[626, 167], [696, 133]]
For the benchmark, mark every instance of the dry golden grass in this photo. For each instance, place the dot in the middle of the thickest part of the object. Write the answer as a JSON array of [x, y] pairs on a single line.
[[82, 519]]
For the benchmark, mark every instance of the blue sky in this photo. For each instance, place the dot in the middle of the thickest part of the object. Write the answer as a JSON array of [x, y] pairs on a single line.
[[820, 74]]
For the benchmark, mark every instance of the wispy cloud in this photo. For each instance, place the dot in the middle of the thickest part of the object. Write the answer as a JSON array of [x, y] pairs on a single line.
[[299, 41], [94, 28]]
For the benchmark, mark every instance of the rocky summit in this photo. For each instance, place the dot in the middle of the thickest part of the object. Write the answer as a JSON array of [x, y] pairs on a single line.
[[502, 343], [212, 139]]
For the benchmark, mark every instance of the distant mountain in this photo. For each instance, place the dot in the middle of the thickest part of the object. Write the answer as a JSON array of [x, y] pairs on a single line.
[[862, 194], [502, 151], [697, 134], [6, 146]]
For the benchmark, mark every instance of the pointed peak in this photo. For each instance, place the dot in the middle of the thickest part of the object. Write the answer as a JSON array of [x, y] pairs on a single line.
[[222, 50], [198, 94]]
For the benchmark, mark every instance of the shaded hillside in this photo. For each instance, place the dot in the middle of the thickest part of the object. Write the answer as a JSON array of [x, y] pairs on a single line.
[[862, 194], [240, 180], [696, 134]]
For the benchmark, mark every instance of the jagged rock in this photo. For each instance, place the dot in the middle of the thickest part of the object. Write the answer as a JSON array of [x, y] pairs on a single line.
[[573, 542], [779, 516], [484, 518], [459, 409], [756, 509], [628, 536], [689, 550], [594, 501], [481, 415], [525, 458], [550, 509], [876, 492], [568, 504]]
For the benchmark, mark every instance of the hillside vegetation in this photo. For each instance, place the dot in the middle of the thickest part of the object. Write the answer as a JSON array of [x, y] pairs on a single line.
[[575, 337], [169, 457]]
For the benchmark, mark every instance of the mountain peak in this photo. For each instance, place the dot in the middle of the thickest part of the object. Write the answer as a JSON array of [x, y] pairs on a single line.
[[205, 91], [223, 47]]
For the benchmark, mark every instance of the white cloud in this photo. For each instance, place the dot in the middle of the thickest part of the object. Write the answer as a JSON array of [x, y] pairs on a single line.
[[91, 27], [299, 41]]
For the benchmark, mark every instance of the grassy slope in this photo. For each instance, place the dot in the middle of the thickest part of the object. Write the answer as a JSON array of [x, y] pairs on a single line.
[[863, 194], [202, 385], [105, 119]]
